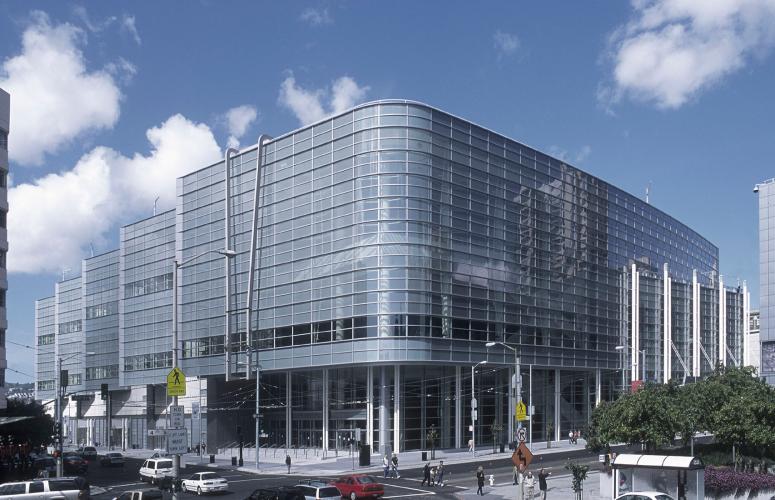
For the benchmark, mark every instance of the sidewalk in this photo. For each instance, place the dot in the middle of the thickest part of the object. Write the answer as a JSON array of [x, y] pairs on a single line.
[[559, 488], [310, 462]]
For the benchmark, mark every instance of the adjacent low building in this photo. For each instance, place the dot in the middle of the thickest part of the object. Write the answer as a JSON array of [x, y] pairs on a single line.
[[371, 257]]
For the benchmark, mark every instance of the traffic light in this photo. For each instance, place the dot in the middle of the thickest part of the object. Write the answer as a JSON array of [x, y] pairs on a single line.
[[103, 391], [64, 378]]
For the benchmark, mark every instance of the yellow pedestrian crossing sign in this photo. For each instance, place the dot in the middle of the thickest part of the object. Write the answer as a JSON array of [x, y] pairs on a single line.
[[521, 411], [176, 383]]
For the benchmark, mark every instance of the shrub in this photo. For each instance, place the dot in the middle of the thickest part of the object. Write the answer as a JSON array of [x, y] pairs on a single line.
[[726, 480]]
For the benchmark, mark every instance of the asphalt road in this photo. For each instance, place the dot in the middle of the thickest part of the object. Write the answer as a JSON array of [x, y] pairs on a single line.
[[110, 482]]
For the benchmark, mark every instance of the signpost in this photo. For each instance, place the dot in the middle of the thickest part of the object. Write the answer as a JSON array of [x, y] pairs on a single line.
[[177, 417], [521, 411], [176, 383], [523, 456], [521, 434]]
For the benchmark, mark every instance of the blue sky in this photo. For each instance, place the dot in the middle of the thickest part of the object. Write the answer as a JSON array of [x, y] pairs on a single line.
[[113, 100]]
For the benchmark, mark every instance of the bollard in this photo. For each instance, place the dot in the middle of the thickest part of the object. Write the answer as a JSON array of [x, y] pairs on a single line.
[[492, 479]]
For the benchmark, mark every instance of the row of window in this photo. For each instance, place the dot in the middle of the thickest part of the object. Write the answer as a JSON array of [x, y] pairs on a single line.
[[3, 140], [101, 372], [73, 326], [101, 310], [46, 385], [148, 285], [148, 361]]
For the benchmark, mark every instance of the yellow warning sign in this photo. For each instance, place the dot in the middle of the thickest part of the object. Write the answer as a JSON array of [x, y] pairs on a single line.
[[176, 383], [521, 411]]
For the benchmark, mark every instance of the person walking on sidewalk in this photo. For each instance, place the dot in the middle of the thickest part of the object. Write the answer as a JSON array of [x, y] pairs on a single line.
[[542, 475], [426, 474], [530, 485], [386, 465], [288, 462], [440, 478], [480, 480]]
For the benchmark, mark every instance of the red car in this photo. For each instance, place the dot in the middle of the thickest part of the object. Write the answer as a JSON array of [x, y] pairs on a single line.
[[359, 486]]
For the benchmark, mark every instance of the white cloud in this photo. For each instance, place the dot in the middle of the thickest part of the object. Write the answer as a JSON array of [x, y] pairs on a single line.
[[128, 25], [313, 105], [237, 122], [563, 155], [54, 98], [57, 216], [316, 17], [672, 50], [505, 43]]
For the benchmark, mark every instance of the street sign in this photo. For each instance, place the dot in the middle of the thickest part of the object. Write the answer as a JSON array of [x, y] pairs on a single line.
[[522, 456], [177, 441], [156, 432], [521, 434], [176, 383], [474, 414], [521, 411], [473, 403], [177, 417], [195, 410]]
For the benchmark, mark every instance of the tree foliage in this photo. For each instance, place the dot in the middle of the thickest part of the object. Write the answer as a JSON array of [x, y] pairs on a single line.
[[732, 404], [36, 431]]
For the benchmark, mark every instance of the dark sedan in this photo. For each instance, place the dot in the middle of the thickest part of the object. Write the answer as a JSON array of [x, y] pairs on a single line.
[[74, 463]]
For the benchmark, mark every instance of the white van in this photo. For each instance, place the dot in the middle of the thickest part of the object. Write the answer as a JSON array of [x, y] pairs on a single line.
[[63, 488], [154, 469]]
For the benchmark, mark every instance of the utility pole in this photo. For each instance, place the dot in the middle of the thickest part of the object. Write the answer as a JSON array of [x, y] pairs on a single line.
[[175, 457]]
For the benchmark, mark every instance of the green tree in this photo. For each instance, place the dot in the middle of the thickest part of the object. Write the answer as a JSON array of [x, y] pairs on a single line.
[[37, 430]]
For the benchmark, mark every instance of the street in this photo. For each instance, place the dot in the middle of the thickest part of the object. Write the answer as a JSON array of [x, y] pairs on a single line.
[[110, 482]]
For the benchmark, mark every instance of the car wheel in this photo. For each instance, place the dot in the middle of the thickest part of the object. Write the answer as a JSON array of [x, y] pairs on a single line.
[[353, 496], [199, 491]]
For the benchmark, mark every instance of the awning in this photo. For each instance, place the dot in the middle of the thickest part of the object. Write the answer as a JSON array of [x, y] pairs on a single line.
[[629, 460], [12, 420]]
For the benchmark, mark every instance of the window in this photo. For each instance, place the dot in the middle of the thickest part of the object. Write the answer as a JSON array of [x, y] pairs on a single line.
[[2, 298], [148, 285], [70, 326], [46, 339], [3, 179], [101, 372], [45, 385], [2, 256], [101, 310], [74, 379], [3, 218], [2, 338], [3, 140], [36, 487]]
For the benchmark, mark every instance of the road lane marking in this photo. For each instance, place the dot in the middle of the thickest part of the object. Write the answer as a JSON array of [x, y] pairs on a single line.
[[408, 488], [411, 495]]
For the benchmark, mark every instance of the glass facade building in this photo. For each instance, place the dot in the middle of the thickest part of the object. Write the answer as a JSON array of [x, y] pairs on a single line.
[[378, 252], [766, 191], [5, 127]]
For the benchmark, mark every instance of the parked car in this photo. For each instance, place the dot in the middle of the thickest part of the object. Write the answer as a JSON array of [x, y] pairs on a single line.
[[73, 463], [159, 453], [318, 490], [68, 488], [88, 453], [359, 486], [140, 495], [644, 495], [154, 469], [112, 459], [205, 482], [46, 463], [281, 493]]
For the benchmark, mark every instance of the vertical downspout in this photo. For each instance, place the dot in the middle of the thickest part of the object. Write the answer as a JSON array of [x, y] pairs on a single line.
[[227, 270], [262, 139]]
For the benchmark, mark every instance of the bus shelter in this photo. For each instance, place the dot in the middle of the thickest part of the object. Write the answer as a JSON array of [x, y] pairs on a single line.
[[683, 478]]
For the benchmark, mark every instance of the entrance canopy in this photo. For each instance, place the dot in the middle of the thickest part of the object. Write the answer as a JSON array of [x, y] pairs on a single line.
[[626, 461]]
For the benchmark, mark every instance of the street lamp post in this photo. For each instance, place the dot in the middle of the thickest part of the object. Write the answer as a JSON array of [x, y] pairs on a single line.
[[640, 361], [258, 406], [474, 406], [517, 384], [58, 405], [176, 266]]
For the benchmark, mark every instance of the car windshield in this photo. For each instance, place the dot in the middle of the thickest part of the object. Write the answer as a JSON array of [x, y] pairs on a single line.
[[90, 448], [329, 492], [663, 497], [114, 455], [366, 480], [164, 464], [210, 475]]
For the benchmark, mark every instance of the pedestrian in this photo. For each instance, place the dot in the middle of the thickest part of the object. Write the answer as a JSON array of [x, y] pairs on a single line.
[[530, 485], [470, 445], [386, 465], [542, 475], [516, 475], [570, 437], [395, 466], [433, 476], [288, 462], [576, 437], [440, 473], [426, 474], [480, 480]]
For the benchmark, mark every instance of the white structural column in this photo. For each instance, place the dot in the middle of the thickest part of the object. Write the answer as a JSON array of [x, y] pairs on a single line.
[[512, 404], [288, 404], [326, 406], [598, 387], [458, 410], [695, 325], [397, 409], [557, 404], [384, 436], [746, 325], [635, 324], [667, 325], [722, 322], [370, 408]]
